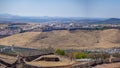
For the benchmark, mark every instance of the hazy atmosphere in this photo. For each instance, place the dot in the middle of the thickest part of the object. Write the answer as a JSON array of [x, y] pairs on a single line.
[[62, 8], [59, 33]]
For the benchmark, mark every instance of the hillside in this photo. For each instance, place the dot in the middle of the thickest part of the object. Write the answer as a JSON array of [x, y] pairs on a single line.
[[111, 21], [66, 39]]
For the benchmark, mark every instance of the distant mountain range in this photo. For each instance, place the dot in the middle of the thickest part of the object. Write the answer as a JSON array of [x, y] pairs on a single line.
[[8, 18]]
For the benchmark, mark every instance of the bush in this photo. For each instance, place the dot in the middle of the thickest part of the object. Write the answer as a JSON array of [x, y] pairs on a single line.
[[60, 52], [78, 55]]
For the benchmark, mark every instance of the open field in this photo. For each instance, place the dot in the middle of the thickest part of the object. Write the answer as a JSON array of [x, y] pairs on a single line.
[[77, 39]]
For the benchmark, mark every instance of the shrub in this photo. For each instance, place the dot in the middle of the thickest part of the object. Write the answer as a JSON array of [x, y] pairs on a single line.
[[60, 52], [78, 55]]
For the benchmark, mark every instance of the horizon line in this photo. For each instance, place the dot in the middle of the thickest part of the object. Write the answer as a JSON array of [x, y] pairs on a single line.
[[54, 16]]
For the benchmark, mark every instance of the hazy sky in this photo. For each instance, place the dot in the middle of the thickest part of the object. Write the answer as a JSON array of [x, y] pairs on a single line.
[[64, 8]]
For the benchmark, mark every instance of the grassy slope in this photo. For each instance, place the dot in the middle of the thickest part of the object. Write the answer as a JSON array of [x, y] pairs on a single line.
[[65, 39]]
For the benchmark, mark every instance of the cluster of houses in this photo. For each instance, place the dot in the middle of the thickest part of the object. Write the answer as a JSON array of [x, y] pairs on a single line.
[[44, 27]]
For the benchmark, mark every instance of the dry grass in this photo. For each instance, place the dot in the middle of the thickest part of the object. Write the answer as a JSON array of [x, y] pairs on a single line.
[[65, 39], [8, 59]]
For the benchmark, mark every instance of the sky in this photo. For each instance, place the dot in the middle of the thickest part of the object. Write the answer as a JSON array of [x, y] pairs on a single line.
[[62, 8]]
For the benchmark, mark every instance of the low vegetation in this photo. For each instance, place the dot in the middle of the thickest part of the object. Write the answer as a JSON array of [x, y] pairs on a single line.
[[60, 52], [78, 55], [64, 39]]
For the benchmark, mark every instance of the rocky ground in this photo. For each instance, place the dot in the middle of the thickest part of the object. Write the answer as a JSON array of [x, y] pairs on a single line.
[[111, 65]]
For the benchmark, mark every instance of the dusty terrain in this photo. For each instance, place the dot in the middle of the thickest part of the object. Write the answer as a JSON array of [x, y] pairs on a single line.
[[8, 59], [66, 39], [112, 65], [63, 62]]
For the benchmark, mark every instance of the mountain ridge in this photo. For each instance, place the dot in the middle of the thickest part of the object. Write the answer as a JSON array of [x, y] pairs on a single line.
[[27, 19]]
